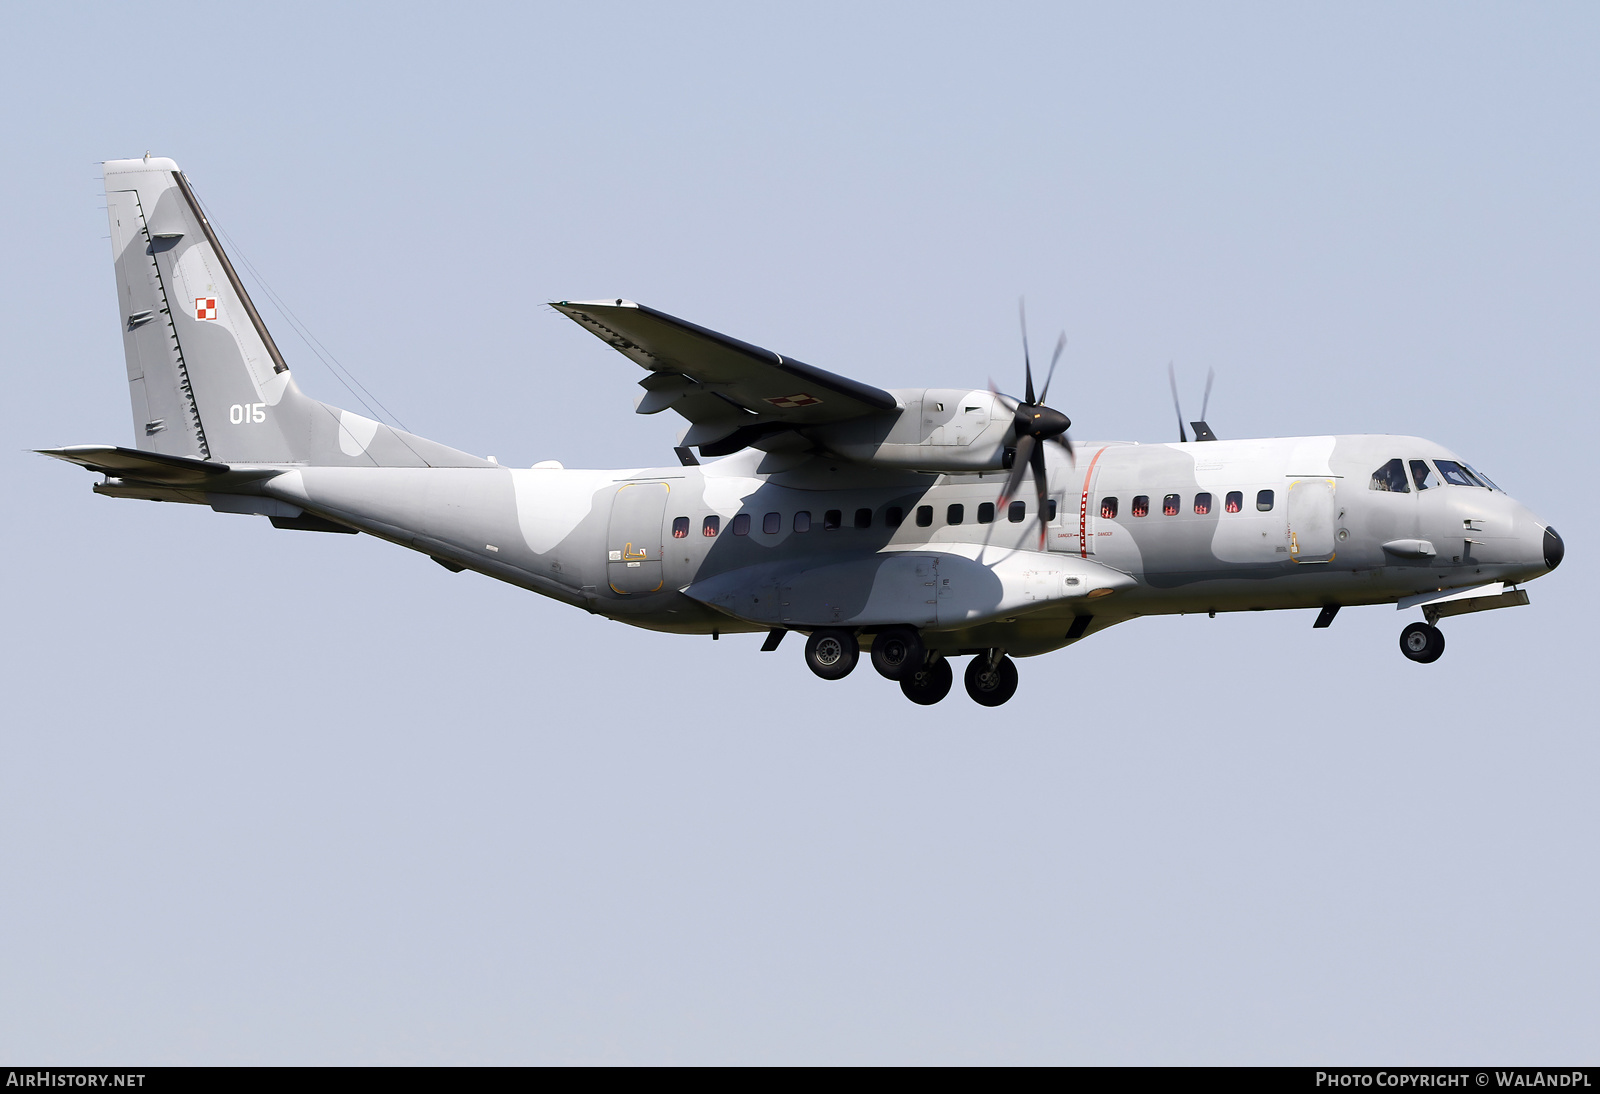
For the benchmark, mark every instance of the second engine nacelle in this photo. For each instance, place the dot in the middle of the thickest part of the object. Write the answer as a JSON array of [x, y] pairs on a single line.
[[935, 429]]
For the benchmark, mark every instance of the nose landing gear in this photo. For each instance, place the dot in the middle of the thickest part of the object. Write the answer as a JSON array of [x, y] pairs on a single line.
[[1422, 642]]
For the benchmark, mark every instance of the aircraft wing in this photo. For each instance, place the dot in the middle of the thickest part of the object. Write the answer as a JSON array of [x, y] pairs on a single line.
[[732, 393]]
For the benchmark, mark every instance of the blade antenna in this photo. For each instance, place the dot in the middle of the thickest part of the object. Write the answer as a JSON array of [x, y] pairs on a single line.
[[1172, 378]]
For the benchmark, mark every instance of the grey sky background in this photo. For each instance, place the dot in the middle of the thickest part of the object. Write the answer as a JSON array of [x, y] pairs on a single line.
[[275, 797]]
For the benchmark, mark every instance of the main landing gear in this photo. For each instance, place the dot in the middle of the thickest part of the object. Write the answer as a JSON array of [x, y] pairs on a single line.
[[899, 654], [1422, 642]]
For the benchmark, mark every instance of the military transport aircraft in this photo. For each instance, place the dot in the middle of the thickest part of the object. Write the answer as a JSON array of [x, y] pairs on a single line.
[[831, 507]]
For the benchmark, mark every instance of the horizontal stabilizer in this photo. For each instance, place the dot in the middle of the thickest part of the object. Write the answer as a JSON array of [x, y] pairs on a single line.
[[132, 464]]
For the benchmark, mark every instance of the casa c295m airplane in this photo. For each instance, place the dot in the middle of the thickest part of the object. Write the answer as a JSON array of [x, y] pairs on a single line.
[[896, 519]]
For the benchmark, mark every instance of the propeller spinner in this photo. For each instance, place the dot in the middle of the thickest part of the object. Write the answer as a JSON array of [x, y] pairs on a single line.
[[1033, 424]]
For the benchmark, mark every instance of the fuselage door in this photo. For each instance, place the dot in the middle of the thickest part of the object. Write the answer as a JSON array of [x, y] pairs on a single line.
[[634, 539], [1312, 515], [1073, 528]]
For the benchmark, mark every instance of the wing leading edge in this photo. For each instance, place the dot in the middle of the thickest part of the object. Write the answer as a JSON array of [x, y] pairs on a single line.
[[732, 393]]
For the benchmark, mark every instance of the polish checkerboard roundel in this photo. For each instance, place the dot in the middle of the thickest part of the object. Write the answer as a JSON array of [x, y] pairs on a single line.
[[205, 307]]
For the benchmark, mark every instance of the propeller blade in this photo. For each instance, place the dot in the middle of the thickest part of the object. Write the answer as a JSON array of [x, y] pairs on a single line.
[[1066, 442], [1211, 374], [1042, 483], [1019, 468], [1061, 344], [1027, 364], [1172, 378], [1005, 400]]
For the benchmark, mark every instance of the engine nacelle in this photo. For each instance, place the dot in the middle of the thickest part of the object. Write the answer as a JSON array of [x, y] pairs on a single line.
[[935, 429]]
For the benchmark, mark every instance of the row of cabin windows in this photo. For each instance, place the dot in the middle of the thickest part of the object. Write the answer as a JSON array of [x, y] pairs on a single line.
[[1391, 477], [894, 517], [1172, 504]]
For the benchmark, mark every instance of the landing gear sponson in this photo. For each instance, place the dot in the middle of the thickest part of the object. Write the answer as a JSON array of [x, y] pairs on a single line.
[[899, 654]]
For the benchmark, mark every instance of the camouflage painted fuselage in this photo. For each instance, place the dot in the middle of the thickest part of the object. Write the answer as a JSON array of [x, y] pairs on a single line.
[[576, 536]]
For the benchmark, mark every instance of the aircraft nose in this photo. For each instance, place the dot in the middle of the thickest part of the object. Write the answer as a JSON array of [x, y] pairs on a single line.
[[1554, 549]]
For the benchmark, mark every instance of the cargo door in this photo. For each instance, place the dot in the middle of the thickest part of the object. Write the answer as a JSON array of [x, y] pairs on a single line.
[[1312, 513], [634, 539]]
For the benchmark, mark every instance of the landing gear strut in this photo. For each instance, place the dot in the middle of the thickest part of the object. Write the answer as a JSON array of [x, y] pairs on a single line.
[[930, 683], [831, 653], [991, 678], [1422, 642]]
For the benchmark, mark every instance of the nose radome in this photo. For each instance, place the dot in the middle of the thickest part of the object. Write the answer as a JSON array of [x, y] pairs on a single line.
[[1554, 549]]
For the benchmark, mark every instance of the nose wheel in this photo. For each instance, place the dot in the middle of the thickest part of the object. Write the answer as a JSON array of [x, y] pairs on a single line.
[[1422, 642]]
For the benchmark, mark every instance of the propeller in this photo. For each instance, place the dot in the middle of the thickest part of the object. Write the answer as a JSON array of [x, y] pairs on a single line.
[[1033, 425]]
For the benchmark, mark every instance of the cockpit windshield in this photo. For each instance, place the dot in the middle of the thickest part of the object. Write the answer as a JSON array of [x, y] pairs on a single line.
[[1485, 479], [1457, 474]]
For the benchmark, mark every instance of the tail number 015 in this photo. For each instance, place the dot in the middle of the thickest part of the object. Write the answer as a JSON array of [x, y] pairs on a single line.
[[247, 413]]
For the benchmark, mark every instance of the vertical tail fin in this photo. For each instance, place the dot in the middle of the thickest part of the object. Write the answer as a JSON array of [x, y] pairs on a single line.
[[205, 377]]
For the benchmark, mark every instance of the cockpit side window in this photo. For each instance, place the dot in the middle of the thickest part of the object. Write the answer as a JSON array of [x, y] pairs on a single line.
[[1423, 475], [1391, 478], [1456, 474]]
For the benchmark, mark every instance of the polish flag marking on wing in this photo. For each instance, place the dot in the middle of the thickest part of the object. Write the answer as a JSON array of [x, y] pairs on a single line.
[[205, 307]]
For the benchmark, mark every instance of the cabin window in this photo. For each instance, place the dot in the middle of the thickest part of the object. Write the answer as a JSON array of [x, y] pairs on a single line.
[[680, 527], [802, 521], [924, 516], [711, 527], [894, 516], [1264, 501], [1390, 478], [1235, 501], [741, 524], [863, 518], [772, 523], [1202, 504], [1108, 508], [1423, 475], [1017, 512], [1141, 505], [1457, 474], [1050, 509], [833, 518], [955, 514], [1169, 505], [986, 513]]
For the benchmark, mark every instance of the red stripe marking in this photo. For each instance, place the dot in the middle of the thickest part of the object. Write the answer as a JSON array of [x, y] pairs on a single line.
[[1083, 507]]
